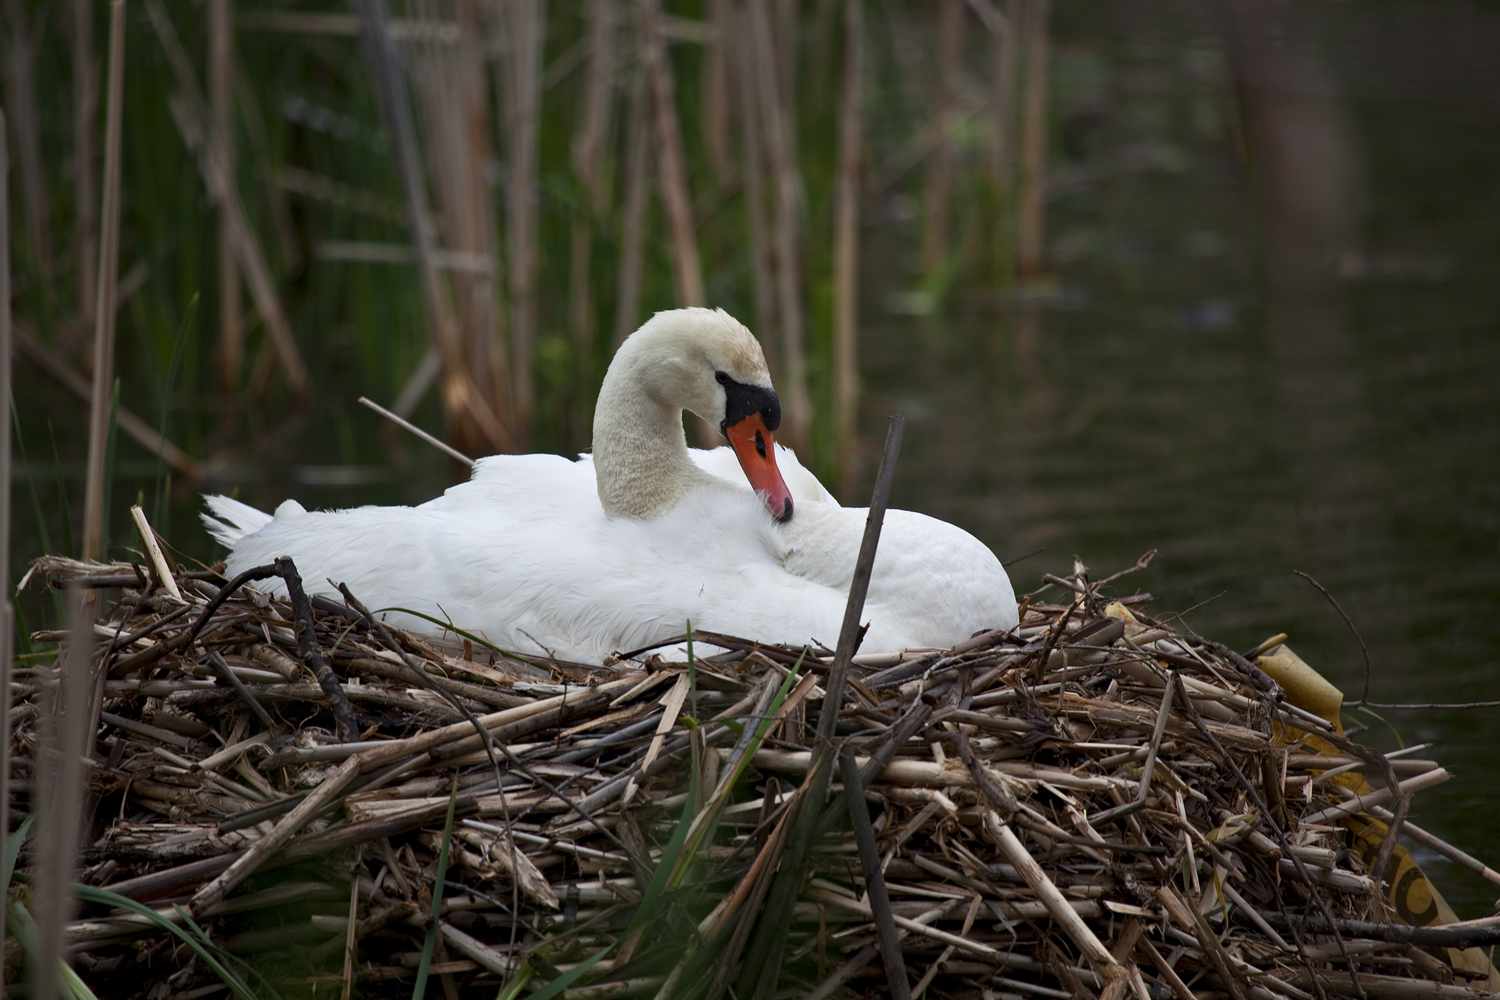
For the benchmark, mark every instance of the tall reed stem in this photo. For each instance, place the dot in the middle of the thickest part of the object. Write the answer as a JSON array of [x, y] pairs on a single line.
[[687, 272], [939, 200], [589, 146], [21, 93], [778, 130], [221, 109], [637, 194], [753, 149], [846, 244], [7, 611], [1031, 196], [104, 313], [526, 20], [84, 99]]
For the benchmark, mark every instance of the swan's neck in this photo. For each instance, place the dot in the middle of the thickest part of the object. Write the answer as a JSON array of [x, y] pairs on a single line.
[[641, 456]]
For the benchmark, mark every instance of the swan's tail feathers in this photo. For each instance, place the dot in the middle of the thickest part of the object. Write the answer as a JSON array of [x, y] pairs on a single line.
[[229, 520]]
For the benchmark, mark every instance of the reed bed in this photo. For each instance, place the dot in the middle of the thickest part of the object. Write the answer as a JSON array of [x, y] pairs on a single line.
[[1092, 804]]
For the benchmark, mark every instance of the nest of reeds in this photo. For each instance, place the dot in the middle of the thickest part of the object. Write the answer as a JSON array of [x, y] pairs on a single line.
[[287, 792]]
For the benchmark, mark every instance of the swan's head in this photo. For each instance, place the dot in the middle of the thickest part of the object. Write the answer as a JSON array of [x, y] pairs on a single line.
[[705, 361]]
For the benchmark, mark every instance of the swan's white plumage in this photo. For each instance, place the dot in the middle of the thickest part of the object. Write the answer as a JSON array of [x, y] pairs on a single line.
[[525, 554]]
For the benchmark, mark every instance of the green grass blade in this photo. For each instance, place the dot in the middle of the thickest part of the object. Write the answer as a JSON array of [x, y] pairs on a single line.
[[430, 944], [704, 822], [73, 987], [13, 849], [192, 935]]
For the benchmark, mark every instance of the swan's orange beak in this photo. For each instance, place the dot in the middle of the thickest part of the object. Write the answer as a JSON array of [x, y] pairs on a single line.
[[756, 449]]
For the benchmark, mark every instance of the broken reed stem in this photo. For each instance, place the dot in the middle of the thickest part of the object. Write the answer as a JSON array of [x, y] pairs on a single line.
[[849, 632], [407, 425], [94, 513], [846, 246]]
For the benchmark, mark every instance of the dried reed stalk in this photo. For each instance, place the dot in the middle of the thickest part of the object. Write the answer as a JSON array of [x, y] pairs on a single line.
[[1002, 27], [715, 90], [524, 24], [470, 417], [590, 146], [778, 126], [938, 203], [85, 99], [846, 245], [1031, 188], [637, 196], [687, 271], [21, 89], [104, 313], [753, 158], [449, 80], [221, 63]]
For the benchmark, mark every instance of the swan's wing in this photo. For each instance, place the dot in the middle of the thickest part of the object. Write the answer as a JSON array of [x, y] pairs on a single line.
[[804, 485], [933, 583], [229, 520]]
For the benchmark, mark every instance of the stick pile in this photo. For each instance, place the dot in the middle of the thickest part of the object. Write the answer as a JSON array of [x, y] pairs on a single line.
[[1093, 804]]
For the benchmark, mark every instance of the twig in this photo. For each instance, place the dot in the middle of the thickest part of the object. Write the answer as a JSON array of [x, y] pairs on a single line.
[[1363, 649], [1142, 563], [312, 653], [1191, 711]]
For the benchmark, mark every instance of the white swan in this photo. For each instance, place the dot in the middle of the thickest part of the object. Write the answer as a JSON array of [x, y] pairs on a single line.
[[619, 550]]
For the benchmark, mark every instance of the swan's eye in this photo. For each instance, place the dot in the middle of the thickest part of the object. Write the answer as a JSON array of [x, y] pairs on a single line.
[[722, 378]]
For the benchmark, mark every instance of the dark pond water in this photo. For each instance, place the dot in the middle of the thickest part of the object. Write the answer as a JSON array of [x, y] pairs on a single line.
[[1173, 394]]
